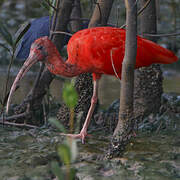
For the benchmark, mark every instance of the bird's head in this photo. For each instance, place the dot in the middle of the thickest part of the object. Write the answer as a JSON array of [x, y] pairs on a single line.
[[38, 53], [39, 49]]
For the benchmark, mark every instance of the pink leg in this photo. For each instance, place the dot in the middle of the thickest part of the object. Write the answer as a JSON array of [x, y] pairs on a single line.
[[94, 98]]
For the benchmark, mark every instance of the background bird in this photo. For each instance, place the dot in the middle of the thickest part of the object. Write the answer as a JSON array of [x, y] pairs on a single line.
[[39, 27], [94, 50]]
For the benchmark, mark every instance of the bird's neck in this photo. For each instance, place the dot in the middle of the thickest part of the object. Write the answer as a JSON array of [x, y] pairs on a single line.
[[58, 66]]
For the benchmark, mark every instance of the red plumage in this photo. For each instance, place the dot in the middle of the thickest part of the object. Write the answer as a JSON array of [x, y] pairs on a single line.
[[94, 50], [90, 50]]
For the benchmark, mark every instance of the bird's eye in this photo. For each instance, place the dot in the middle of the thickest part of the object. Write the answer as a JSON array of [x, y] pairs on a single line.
[[40, 47]]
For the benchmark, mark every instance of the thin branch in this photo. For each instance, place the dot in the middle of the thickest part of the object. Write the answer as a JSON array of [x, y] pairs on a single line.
[[7, 80], [162, 35], [5, 120], [61, 32], [18, 124], [139, 12], [52, 27], [49, 3], [13, 117], [144, 7]]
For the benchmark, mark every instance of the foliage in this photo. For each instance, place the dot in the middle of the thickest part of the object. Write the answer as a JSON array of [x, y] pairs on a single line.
[[67, 151], [48, 5], [10, 39], [70, 95], [12, 43]]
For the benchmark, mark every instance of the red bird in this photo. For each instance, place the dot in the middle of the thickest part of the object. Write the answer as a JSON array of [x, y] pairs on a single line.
[[95, 50]]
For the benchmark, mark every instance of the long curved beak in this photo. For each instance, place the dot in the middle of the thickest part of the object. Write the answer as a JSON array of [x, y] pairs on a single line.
[[25, 68]]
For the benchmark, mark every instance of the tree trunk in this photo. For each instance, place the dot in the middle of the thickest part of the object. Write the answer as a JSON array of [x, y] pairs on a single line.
[[77, 24], [35, 96], [83, 82], [101, 13], [125, 124], [148, 82]]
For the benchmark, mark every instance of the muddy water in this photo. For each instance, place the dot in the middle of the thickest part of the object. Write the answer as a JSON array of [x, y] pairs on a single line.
[[26, 155]]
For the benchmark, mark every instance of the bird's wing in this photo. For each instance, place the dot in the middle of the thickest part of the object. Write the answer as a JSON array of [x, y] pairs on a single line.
[[96, 48]]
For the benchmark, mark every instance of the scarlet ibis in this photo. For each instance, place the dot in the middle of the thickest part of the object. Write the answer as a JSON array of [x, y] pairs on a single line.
[[95, 50]]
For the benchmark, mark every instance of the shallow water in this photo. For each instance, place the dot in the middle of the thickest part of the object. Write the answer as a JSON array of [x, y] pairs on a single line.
[[26, 154]]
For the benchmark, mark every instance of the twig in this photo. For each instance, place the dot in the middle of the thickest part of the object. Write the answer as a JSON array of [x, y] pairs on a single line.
[[48, 2], [5, 120], [144, 7], [7, 80], [18, 124], [162, 35], [139, 12], [14, 117], [52, 27], [61, 32]]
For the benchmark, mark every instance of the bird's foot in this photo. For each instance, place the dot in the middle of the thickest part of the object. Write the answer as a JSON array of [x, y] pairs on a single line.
[[82, 135]]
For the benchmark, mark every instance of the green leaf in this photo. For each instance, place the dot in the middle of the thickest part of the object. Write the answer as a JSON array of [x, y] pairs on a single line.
[[20, 33], [72, 173], [70, 95], [65, 153], [74, 150], [57, 170], [6, 34], [51, 10], [4, 46], [45, 5], [57, 124]]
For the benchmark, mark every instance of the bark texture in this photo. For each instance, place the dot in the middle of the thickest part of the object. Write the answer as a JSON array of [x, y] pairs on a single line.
[[148, 81], [83, 83], [84, 88], [34, 98], [101, 13], [125, 124]]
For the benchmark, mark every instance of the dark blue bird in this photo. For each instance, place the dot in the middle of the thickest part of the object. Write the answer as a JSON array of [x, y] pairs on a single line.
[[39, 27]]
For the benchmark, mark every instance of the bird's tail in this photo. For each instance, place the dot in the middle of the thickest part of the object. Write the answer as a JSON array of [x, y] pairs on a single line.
[[165, 56], [161, 55]]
